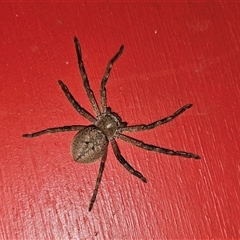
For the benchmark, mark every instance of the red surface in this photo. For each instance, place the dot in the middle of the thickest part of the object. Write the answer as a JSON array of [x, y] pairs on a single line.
[[175, 53]]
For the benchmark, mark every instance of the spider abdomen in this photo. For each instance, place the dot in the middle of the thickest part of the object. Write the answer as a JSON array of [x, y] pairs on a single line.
[[88, 145]]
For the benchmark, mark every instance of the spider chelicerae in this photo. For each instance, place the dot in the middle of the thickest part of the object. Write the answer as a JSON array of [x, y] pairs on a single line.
[[91, 142]]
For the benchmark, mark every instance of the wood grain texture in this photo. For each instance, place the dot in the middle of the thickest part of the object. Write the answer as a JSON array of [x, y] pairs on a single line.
[[175, 53]]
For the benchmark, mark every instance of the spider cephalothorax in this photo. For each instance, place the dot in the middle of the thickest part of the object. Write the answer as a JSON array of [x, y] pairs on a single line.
[[91, 142]]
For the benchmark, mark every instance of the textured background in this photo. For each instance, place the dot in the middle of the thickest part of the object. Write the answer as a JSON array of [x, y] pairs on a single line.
[[175, 53]]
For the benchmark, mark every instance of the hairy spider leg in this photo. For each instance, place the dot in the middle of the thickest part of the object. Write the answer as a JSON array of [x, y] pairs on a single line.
[[143, 127], [122, 160], [103, 94], [89, 91], [54, 130], [79, 109], [75, 104], [150, 147], [98, 181]]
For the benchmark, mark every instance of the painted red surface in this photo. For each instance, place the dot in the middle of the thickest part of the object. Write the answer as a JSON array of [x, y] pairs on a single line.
[[175, 53]]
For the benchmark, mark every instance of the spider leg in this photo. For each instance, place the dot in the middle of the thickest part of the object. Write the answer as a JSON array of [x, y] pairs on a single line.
[[122, 160], [149, 147], [105, 79], [142, 127], [54, 130], [85, 78], [99, 177], [75, 104]]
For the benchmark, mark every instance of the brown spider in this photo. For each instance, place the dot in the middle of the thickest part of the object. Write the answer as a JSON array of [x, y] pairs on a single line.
[[91, 142]]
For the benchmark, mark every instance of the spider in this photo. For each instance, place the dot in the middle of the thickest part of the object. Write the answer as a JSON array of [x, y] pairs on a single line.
[[91, 142]]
